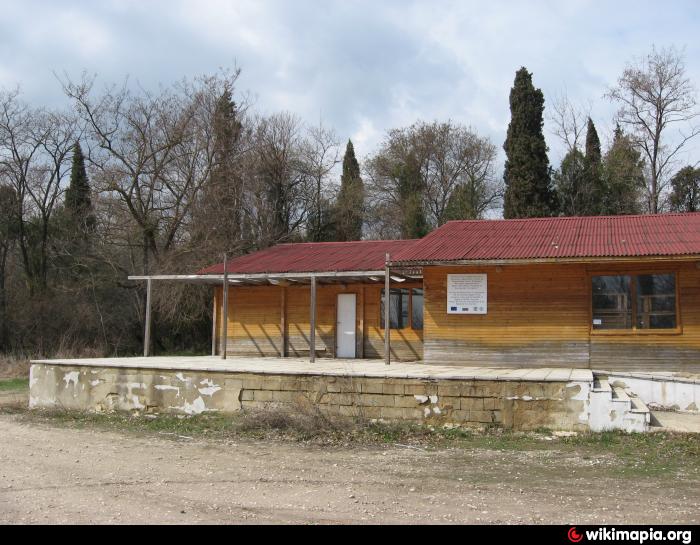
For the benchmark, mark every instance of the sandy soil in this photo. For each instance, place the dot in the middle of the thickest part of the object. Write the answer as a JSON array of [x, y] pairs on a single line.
[[57, 475]]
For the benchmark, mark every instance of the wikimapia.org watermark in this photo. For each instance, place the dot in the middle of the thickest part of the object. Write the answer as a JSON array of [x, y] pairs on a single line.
[[637, 536]]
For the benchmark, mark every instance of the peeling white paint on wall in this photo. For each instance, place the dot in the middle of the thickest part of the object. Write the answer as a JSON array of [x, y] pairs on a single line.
[[183, 378], [584, 396], [73, 377], [210, 390], [196, 407], [96, 382], [167, 387], [421, 399], [136, 402], [433, 399]]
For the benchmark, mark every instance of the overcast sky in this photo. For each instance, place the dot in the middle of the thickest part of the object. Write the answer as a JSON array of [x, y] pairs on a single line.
[[362, 66]]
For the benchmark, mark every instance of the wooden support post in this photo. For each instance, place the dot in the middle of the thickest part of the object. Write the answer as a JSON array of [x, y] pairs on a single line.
[[147, 331], [361, 325], [224, 333], [387, 314], [283, 322], [214, 329], [312, 333]]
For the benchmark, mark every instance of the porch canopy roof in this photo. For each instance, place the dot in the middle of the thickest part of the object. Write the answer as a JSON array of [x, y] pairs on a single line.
[[297, 263]]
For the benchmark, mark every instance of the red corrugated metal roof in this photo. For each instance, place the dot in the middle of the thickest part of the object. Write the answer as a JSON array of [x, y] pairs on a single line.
[[546, 238], [364, 255], [522, 239]]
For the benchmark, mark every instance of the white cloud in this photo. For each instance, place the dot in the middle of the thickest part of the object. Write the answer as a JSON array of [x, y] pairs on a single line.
[[365, 66]]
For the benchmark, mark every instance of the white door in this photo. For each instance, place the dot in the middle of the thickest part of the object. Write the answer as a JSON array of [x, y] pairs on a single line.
[[345, 325]]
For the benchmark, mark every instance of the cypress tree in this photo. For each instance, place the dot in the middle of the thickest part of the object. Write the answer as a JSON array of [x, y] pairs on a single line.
[[527, 174], [350, 204], [78, 201], [593, 171]]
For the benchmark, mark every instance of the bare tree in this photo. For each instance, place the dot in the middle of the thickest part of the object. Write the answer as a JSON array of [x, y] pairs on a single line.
[[320, 157], [569, 122], [154, 153], [277, 204], [454, 175], [35, 147], [655, 97]]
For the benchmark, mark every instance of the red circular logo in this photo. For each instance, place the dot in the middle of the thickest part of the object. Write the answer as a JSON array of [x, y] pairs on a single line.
[[574, 536]]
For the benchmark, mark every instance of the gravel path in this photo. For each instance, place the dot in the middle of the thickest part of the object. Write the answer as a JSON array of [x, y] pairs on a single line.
[[58, 475]]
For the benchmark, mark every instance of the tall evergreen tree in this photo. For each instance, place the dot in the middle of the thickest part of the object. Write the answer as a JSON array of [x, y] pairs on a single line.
[[527, 174], [220, 203], [349, 209], [78, 200], [593, 178], [623, 177]]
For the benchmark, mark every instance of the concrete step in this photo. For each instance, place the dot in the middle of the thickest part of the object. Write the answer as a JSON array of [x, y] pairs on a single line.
[[601, 384], [638, 406], [619, 394]]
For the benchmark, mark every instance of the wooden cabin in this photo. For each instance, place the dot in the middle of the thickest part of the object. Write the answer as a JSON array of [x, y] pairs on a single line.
[[605, 293]]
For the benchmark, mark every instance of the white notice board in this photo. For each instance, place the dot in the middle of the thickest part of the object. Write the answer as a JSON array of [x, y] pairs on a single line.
[[466, 294]]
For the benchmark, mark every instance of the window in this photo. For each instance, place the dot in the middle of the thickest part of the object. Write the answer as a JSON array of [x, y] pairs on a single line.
[[612, 302], [656, 301], [417, 308], [405, 308], [631, 302]]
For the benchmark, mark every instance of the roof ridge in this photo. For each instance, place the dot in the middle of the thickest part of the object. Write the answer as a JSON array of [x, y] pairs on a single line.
[[344, 242], [562, 218]]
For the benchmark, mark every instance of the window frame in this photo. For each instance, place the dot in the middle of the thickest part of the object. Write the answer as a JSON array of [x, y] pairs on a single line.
[[634, 331], [409, 327]]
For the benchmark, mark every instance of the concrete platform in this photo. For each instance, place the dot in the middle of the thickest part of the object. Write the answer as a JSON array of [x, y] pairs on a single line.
[[330, 367], [677, 422]]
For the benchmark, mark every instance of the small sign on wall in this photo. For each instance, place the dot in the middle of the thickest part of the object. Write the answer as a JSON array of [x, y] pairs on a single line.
[[466, 294]]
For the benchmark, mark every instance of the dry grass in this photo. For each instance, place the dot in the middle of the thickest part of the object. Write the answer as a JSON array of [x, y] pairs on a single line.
[[634, 454], [14, 365]]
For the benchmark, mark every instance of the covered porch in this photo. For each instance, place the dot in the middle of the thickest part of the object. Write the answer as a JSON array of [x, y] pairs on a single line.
[[332, 314]]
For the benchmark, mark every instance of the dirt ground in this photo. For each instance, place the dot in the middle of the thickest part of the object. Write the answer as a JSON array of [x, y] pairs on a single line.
[[61, 475]]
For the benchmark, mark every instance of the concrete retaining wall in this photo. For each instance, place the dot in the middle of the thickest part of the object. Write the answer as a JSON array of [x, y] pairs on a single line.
[[521, 405], [667, 392]]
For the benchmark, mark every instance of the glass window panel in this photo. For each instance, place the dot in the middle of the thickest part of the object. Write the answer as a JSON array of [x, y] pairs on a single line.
[[656, 301], [612, 302], [398, 308], [417, 306]]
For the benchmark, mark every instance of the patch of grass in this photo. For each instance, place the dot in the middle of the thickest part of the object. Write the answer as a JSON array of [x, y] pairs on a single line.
[[644, 453], [631, 455], [13, 384]]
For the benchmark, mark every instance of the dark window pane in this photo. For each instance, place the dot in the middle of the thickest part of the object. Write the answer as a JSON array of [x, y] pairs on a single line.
[[417, 302], [612, 302], [398, 308], [656, 301]]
